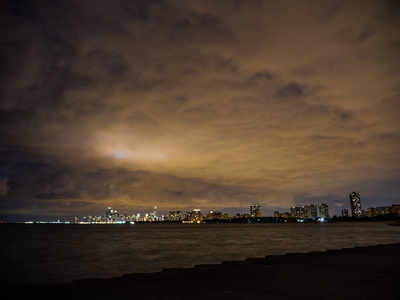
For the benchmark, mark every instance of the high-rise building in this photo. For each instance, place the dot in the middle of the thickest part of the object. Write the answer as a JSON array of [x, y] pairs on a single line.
[[303, 212], [109, 213], [345, 213], [355, 204], [194, 216], [153, 216], [323, 211], [175, 215], [295, 212], [311, 211], [255, 211], [299, 212]]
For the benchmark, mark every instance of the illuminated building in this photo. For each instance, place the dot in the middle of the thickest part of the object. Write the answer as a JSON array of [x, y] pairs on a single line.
[[109, 213], [345, 213], [153, 216], [197, 216], [298, 212], [323, 210], [240, 216], [382, 210], [295, 212], [216, 215], [285, 215], [175, 215], [255, 211], [371, 212], [194, 216], [355, 204], [311, 211], [395, 209], [303, 212], [138, 218]]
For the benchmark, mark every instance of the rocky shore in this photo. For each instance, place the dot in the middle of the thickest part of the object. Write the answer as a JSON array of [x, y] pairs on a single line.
[[357, 273]]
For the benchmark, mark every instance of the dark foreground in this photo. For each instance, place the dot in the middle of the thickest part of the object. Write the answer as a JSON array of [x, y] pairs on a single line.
[[359, 273]]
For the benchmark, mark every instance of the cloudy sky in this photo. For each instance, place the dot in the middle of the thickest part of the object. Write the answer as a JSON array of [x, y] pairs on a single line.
[[214, 105]]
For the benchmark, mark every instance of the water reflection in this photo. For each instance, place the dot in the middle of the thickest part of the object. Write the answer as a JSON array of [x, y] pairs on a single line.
[[49, 254]]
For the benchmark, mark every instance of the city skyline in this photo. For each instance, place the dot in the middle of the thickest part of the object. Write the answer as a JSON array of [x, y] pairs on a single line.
[[197, 104], [304, 209], [318, 212], [309, 211]]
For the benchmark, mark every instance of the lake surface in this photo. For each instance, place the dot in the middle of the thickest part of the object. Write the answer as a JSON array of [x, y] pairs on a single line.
[[52, 253]]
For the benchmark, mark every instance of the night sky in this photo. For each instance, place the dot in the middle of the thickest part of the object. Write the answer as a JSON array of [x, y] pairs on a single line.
[[214, 105]]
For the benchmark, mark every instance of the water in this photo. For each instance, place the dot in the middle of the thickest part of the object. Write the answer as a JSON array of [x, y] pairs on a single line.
[[52, 254]]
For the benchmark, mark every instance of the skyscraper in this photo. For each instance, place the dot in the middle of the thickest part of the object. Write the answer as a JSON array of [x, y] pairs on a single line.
[[311, 211], [109, 213], [175, 215], [323, 210], [153, 215], [194, 216], [255, 211], [345, 213], [355, 204], [304, 212], [295, 212]]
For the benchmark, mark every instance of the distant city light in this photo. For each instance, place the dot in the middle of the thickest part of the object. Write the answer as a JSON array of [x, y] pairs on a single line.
[[300, 214]]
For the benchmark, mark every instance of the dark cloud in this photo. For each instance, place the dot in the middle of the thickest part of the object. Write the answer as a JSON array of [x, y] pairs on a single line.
[[262, 75], [290, 91], [114, 64], [353, 37]]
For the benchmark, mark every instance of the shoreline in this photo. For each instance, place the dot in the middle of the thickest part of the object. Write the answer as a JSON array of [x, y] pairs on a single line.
[[371, 272]]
